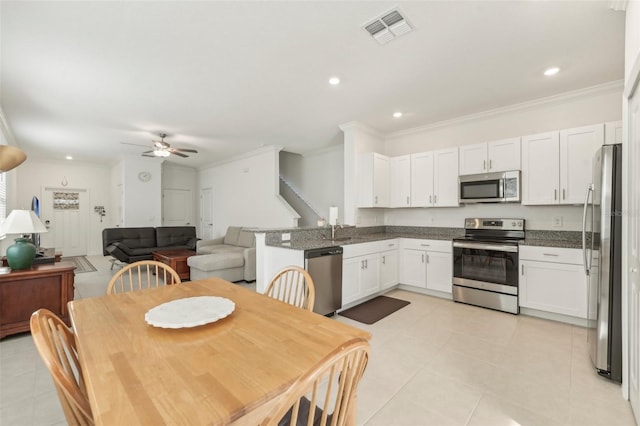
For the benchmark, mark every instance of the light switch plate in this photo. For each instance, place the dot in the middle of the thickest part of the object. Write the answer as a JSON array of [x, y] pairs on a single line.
[[286, 236], [557, 221]]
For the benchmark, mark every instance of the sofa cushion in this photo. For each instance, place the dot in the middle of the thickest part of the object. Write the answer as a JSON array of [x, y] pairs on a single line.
[[231, 238], [213, 262], [246, 239], [170, 236], [130, 237], [220, 248]]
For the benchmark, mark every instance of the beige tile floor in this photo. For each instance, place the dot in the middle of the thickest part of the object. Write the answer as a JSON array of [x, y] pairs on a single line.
[[433, 362]]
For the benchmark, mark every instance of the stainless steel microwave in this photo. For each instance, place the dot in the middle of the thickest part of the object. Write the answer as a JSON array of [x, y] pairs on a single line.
[[502, 187]]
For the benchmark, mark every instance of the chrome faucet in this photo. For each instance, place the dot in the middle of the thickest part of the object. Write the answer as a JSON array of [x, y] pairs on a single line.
[[333, 230]]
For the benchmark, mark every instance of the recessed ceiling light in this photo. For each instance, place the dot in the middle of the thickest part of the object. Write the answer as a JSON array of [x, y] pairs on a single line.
[[68, 157], [397, 114], [551, 71], [334, 81]]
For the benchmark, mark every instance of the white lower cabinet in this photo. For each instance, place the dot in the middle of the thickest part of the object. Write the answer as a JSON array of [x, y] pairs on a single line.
[[439, 271], [413, 271], [426, 264], [368, 268], [388, 269], [553, 280]]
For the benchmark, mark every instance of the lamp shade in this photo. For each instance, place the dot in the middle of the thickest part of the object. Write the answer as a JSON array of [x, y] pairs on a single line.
[[22, 222], [10, 157]]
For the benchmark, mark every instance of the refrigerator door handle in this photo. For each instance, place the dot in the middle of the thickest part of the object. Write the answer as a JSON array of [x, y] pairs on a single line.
[[586, 265]]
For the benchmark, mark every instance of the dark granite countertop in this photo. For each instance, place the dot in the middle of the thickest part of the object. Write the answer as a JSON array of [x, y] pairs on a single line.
[[343, 241], [562, 239], [313, 238]]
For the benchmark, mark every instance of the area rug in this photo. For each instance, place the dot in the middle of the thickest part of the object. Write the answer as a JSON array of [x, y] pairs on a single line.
[[374, 310], [81, 263]]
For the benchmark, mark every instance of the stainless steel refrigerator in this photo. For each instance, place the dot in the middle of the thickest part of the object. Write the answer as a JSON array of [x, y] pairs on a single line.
[[602, 250]]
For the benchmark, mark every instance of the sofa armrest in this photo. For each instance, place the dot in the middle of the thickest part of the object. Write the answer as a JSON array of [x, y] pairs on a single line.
[[249, 255], [120, 246], [213, 242], [117, 250]]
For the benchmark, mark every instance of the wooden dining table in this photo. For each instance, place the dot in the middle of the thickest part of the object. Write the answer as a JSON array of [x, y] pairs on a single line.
[[225, 372]]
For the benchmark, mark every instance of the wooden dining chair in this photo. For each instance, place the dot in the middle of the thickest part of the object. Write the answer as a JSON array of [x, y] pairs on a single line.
[[326, 395], [140, 275], [57, 347], [293, 285]]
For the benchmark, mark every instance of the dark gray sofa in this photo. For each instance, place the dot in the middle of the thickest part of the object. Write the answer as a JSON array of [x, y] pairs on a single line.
[[133, 244]]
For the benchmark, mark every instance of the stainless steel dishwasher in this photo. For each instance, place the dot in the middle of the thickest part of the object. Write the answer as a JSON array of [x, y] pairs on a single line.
[[325, 267]]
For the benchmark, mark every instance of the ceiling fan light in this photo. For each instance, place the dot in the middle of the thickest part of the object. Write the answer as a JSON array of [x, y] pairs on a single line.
[[161, 153]]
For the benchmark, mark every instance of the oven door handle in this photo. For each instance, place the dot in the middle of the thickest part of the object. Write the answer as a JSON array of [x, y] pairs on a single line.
[[491, 247]]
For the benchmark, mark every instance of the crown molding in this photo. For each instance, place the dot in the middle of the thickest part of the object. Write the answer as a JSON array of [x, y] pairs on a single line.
[[356, 125], [324, 150], [588, 91], [259, 151]]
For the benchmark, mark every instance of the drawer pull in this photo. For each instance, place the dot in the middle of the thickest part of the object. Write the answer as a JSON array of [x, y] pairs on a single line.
[[550, 254], [425, 245]]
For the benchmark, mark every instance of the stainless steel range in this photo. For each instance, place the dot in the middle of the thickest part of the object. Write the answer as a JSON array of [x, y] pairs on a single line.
[[485, 264]]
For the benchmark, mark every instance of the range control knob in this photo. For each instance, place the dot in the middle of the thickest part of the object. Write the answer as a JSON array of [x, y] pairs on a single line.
[[513, 224]]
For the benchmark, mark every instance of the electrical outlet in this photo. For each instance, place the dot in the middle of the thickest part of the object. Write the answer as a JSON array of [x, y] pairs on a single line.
[[286, 236], [557, 221]]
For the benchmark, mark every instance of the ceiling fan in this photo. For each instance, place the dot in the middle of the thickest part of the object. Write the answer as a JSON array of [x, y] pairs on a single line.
[[163, 149]]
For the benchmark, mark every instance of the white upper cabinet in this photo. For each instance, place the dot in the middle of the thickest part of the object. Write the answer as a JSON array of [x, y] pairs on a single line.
[[496, 156], [540, 168], [612, 132], [577, 147], [434, 178], [445, 178], [504, 155], [556, 166], [473, 159], [373, 180], [422, 179], [400, 181]]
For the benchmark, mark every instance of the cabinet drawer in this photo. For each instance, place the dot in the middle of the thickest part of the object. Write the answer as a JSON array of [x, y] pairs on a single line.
[[361, 249], [551, 254], [428, 245], [385, 245]]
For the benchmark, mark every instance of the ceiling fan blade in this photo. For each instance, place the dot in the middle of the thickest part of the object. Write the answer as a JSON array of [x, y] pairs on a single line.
[[179, 154], [185, 150], [134, 144]]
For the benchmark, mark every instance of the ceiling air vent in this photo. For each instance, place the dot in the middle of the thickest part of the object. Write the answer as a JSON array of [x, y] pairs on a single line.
[[389, 26]]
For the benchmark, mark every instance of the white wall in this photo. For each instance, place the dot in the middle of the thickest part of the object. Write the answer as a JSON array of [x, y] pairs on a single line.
[[35, 174], [590, 106], [319, 176], [246, 192], [358, 139], [632, 36], [142, 200], [182, 178]]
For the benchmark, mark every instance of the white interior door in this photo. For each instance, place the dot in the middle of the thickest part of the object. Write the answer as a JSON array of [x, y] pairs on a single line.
[[65, 214], [177, 207], [633, 252], [206, 213]]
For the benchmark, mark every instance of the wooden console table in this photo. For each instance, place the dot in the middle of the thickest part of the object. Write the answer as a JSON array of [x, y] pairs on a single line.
[[49, 255], [24, 292]]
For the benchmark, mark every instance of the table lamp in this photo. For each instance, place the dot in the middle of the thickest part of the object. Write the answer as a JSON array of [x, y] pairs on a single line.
[[21, 254]]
